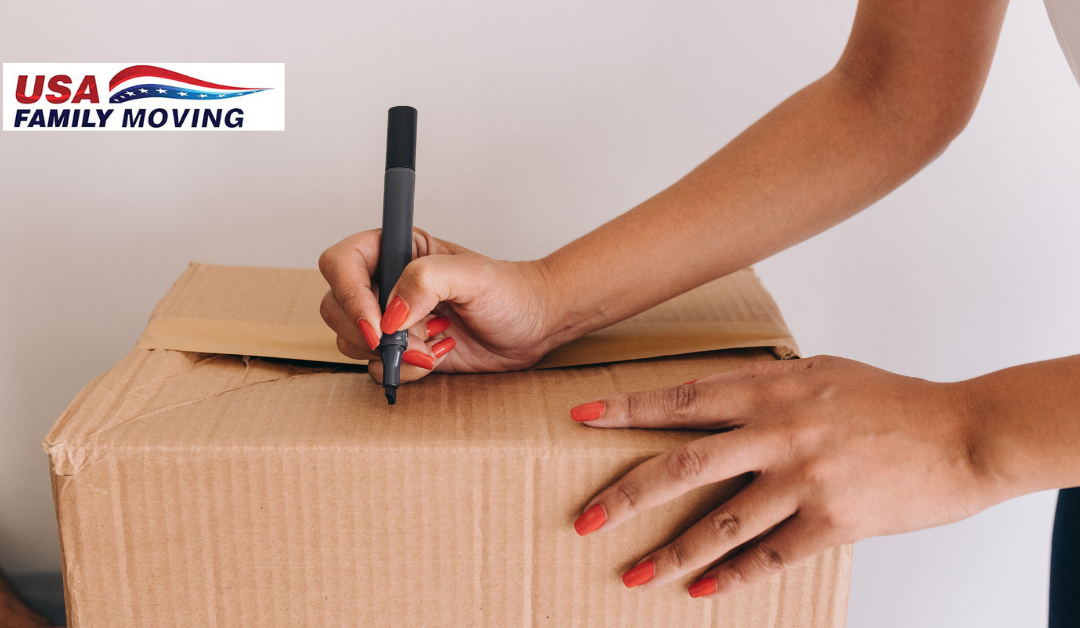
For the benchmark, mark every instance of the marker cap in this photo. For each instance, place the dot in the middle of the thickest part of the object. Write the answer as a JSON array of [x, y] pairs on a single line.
[[401, 138]]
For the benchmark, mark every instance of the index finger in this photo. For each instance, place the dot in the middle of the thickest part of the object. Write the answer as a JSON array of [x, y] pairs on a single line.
[[347, 267], [667, 476], [698, 405]]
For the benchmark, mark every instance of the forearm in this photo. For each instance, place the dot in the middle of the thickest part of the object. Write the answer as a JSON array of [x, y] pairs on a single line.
[[906, 85], [1024, 427], [815, 160]]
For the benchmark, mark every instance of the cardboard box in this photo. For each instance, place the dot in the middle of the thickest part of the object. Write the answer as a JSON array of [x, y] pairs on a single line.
[[197, 485]]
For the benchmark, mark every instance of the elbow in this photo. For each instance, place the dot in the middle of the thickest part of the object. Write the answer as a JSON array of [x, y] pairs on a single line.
[[922, 114]]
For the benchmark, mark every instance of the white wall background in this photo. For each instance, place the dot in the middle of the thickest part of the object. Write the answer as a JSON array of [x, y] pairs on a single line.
[[537, 124]]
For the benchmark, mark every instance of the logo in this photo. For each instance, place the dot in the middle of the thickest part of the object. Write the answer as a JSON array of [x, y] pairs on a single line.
[[149, 97]]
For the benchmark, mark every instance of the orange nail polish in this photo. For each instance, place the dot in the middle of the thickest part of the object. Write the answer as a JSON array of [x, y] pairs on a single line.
[[437, 326], [703, 587], [591, 520], [395, 315], [587, 411], [441, 348], [639, 574], [417, 358], [370, 337]]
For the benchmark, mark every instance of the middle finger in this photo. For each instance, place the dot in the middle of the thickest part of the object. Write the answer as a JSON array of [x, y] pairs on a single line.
[[667, 476], [748, 514]]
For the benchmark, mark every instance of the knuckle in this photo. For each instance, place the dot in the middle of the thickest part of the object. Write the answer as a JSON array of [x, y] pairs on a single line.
[[686, 463], [327, 262], [681, 401], [348, 299], [759, 562], [768, 558], [678, 555], [347, 349], [819, 475], [632, 403], [326, 307], [419, 274], [425, 242], [724, 525], [837, 519], [626, 495], [786, 386]]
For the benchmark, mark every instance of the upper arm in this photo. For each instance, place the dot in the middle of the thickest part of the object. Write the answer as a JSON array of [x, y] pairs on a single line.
[[921, 64]]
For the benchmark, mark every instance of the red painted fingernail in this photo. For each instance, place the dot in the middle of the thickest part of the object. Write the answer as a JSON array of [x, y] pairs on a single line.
[[591, 520], [437, 326], [370, 336], [703, 587], [418, 358], [441, 348], [639, 574], [689, 382], [395, 315], [587, 411]]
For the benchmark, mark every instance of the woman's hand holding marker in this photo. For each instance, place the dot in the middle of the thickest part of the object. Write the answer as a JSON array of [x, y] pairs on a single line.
[[494, 309]]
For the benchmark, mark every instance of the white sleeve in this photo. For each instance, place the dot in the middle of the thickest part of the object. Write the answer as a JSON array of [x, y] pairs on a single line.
[[1065, 16]]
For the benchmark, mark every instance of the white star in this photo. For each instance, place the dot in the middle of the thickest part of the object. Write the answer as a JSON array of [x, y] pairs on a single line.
[[162, 91], [143, 91], [130, 93], [183, 93], [202, 95], [221, 95]]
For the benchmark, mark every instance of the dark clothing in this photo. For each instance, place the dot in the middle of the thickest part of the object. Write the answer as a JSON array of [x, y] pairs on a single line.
[[1065, 562]]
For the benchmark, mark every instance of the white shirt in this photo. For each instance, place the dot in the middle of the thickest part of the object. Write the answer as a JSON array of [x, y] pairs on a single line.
[[1065, 16]]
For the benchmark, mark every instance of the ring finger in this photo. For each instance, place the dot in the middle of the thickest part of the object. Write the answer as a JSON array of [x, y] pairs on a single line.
[[748, 514]]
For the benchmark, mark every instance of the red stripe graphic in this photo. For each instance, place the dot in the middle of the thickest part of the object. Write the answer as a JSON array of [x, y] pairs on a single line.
[[137, 71]]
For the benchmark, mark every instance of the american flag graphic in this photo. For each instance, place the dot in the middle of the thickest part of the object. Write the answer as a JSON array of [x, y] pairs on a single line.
[[184, 87]]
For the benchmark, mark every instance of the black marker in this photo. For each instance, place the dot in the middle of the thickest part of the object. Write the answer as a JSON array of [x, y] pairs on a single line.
[[395, 249]]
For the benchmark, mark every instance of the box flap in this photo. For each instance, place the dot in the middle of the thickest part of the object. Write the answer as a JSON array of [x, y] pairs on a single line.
[[274, 312]]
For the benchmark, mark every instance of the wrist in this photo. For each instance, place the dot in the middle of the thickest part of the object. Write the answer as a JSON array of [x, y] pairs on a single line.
[[551, 290], [569, 312], [989, 448]]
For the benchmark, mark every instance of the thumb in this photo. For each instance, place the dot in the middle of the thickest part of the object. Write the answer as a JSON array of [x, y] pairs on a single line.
[[428, 280]]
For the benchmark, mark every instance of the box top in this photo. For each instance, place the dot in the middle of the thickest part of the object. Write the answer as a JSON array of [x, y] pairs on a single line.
[[191, 381]]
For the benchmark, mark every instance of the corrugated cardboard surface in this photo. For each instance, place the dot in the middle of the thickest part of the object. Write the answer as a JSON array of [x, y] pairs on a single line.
[[208, 489], [275, 313]]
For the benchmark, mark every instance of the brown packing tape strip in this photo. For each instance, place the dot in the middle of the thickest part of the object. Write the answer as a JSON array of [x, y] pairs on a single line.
[[627, 341]]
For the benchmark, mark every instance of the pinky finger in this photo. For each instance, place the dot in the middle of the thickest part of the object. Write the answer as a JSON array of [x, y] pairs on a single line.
[[788, 544]]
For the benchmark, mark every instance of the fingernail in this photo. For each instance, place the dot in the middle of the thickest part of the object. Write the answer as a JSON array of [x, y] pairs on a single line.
[[703, 587], [418, 358], [437, 326], [587, 411], [441, 348], [639, 574], [370, 336], [591, 520], [689, 382], [395, 315]]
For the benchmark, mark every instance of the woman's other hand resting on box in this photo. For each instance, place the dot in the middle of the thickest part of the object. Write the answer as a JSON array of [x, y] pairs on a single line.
[[839, 451]]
